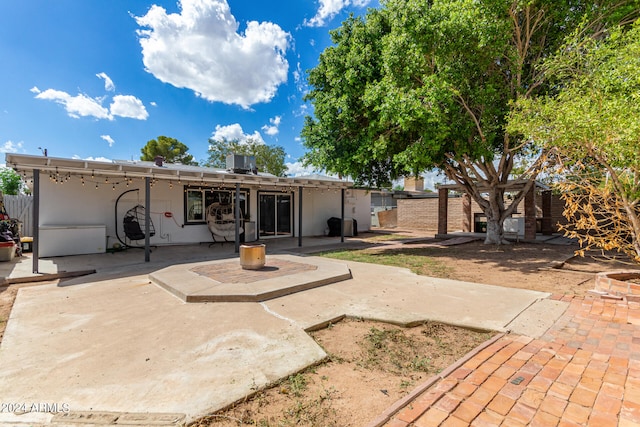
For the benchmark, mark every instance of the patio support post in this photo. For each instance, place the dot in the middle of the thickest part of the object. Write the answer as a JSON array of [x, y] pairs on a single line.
[[237, 213], [547, 226], [530, 214], [466, 213], [443, 203], [300, 192], [342, 216], [147, 218], [36, 221]]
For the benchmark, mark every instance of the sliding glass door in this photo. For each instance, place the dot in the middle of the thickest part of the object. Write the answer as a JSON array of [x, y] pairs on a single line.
[[275, 215]]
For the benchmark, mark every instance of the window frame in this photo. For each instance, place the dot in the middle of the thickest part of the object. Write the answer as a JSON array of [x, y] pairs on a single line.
[[211, 195]]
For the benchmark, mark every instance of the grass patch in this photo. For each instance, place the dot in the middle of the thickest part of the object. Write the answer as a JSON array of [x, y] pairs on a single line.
[[297, 384], [395, 351], [414, 259]]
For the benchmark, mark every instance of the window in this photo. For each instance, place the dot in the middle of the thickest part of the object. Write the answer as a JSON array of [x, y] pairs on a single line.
[[194, 205], [197, 199]]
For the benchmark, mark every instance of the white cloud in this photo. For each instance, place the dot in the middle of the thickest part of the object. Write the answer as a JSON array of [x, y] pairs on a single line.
[[273, 129], [298, 78], [34, 89], [330, 8], [234, 132], [303, 110], [202, 50], [92, 159], [76, 106], [297, 169], [108, 139], [83, 106], [11, 147], [431, 178], [128, 106], [153, 104], [108, 83]]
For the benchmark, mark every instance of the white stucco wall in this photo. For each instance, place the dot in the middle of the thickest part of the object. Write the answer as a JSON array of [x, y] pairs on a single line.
[[320, 205], [72, 204], [358, 206]]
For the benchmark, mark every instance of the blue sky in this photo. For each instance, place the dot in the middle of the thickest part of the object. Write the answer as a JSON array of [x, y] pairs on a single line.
[[98, 79]]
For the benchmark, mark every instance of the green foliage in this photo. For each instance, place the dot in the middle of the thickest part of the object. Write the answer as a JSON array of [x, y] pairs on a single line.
[[593, 124], [10, 181], [422, 84], [297, 384], [269, 158], [171, 149]]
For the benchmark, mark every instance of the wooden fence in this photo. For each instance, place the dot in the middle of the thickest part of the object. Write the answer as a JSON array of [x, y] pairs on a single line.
[[21, 207]]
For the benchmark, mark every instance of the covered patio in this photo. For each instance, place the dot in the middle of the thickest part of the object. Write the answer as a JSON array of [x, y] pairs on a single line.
[[76, 204]]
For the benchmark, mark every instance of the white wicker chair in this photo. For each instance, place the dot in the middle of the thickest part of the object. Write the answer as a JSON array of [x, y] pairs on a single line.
[[221, 222]]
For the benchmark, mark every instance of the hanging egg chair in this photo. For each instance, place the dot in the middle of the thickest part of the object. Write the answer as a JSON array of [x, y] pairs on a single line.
[[133, 223]]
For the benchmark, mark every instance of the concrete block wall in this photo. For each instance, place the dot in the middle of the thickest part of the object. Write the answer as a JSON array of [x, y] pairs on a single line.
[[422, 214]]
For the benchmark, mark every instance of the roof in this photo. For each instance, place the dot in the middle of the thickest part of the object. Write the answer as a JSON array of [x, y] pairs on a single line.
[[168, 171]]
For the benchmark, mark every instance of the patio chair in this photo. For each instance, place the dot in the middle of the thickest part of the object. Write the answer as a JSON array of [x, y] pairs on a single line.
[[222, 223]]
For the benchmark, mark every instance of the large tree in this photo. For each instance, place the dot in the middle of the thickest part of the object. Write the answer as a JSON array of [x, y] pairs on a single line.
[[172, 150], [422, 84], [269, 158], [10, 182], [593, 124]]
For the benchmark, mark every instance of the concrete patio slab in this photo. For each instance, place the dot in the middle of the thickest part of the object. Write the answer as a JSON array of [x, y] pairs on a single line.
[[396, 295], [538, 318]]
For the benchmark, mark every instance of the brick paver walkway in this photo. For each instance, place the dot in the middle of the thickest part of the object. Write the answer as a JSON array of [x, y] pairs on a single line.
[[585, 371]]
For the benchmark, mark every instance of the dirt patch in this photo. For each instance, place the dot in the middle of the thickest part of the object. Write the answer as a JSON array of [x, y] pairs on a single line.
[[542, 267], [371, 365], [7, 296]]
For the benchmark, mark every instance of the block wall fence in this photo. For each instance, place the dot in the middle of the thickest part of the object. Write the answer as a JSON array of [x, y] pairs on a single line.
[[422, 214]]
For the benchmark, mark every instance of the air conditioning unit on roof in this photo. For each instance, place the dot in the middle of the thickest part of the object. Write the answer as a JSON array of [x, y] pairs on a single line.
[[241, 164]]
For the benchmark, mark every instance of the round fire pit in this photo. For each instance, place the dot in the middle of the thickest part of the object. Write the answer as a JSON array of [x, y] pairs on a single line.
[[252, 256]]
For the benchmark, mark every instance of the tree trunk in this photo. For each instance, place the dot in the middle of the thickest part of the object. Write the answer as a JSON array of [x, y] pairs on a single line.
[[495, 231]]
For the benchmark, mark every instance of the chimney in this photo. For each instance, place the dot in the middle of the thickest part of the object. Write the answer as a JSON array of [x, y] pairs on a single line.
[[412, 183], [159, 160]]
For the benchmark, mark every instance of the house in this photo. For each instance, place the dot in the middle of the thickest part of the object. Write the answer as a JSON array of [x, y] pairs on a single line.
[[80, 205]]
